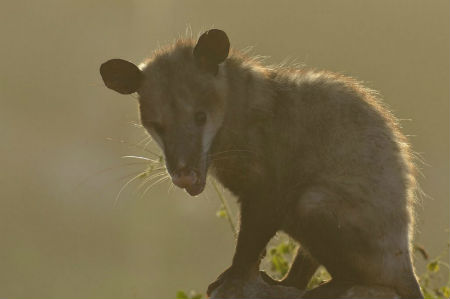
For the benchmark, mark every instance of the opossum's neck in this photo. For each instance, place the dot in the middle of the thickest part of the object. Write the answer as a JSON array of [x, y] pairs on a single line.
[[249, 100], [238, 148]]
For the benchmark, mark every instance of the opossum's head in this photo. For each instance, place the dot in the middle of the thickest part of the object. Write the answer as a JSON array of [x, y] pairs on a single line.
[[182, 101]]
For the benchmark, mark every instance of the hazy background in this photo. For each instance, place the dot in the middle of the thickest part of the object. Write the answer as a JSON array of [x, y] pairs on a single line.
[[61, 235]]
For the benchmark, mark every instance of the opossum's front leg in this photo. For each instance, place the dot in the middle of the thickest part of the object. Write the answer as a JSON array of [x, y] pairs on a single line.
[[257, 226]]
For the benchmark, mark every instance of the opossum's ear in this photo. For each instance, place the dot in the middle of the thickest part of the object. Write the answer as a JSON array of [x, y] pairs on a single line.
[[212, 48], [121, 75]]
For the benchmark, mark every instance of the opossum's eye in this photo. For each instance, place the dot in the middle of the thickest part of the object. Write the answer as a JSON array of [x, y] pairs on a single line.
[[200, 118], [159, 129]]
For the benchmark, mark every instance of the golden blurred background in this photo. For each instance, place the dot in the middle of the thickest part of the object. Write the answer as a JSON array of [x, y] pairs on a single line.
[[62, 132]]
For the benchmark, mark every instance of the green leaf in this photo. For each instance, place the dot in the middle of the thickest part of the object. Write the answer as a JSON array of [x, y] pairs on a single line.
[[287, 247], [428, 295], [433, 266], [319, 277], [222, 212], [445, 290], [182, 295]]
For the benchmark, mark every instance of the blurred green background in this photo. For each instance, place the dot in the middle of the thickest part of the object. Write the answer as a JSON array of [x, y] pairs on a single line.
[[62, 132]]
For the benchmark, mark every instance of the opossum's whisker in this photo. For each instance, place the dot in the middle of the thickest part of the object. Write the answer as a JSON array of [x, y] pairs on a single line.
[[141, 158], [222, 158], [223, 168], [230, 170], [145, 140], [136, 146], [231, 151], [154, 183], [227, 157], [135, 124], [151, 177], [101, 171], [125, 177], [150, 170], [126, 184], [170, 187], [151, 174], [147, 143], [208, 186], [151, 181]]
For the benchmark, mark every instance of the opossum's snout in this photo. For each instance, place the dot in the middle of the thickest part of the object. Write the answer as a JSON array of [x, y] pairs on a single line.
[[189, 179]]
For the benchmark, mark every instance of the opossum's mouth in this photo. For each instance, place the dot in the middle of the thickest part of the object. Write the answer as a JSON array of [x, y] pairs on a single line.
[[190, 180], [195, 189]]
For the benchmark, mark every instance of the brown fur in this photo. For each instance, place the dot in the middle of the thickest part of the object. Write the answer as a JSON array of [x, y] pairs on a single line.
[[313, 153]]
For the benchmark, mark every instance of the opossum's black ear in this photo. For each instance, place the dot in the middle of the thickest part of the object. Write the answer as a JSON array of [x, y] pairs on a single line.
[[121, 75], [212, 48]]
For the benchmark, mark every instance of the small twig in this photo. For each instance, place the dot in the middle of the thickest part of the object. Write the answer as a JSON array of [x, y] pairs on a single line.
[[225, 205]]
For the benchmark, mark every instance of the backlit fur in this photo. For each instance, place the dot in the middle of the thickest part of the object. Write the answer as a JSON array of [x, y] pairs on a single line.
[[317, 149]]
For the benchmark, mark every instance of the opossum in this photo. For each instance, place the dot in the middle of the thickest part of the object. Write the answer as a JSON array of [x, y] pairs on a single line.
[[312, 153]]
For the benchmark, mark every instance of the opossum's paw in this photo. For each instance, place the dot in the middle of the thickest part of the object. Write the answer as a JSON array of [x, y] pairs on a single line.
[[269, 280], [231, 288], [218, 282], [255, 288]]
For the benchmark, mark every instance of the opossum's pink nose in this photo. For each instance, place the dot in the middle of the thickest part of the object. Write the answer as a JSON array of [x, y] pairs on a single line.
[[184, 177]]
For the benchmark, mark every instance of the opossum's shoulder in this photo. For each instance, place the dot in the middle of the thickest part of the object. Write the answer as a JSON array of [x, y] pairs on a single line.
[[332, 91], [322, 85]]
